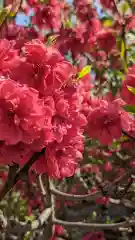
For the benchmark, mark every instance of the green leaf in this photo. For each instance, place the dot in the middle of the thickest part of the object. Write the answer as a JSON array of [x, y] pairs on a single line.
[[4, 14], [131, 89], [84, 71], [44, 1], [30, 218], [27, 235], [122, 55], [115, 145], [100, 162], [67, 23], [11, 14], [122, 49], [94, 215], [108, 22], [108, 220], [129, 108], [124, 7], [52, 39]]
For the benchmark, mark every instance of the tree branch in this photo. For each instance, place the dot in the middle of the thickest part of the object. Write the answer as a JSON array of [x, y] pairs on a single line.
[[128, 135], [20, 229], [23, 172], [74, 197], [94, 225]]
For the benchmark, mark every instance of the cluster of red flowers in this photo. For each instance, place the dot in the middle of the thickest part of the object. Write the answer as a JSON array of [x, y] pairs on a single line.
[[42, 103], [40, 107]]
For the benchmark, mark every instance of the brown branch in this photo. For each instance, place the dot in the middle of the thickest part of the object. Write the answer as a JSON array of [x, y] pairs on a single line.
[[20, 175], [116, 8], [20, 229], [99, 183], [74, 197], [128, 135], [44, 216], [127, 187], [94, 225], [42, 188], [126, 223], [89, 197]]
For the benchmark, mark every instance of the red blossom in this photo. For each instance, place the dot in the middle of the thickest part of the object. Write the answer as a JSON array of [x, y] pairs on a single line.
[[104, 122], [107, 167], [130, 23], [21, 113], [61, 159], [106, 40], [44, 69], [48, 15], [84, 10], [108, 4]]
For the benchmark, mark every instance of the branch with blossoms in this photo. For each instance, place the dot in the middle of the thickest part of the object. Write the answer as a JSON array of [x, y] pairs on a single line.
[[67, 126], [15, 176]]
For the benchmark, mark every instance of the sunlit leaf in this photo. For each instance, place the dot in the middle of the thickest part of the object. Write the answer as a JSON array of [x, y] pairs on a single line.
[[124, 7], [86, 70], [4, 14], [131, 89], [30, 218], [115, 145], [122, 53], [108, 22], [44, 1], [129, 108], [27, 235], [52, 39], [67, 23]]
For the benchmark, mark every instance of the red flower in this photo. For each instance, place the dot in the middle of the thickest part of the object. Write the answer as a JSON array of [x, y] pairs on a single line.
[[104, 122], [7, 51], [21, 113], [106, 40], [130, 23], [107, 166], [41, 68], [20, 34], [108, 4], [84, 10], [48, 15], [61, 159]]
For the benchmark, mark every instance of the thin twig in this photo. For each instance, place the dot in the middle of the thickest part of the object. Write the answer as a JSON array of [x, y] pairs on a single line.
[[41, 185], [94, 225], [75, 197], [127, 187], [128, 135], [42, 188], [44, 216]]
